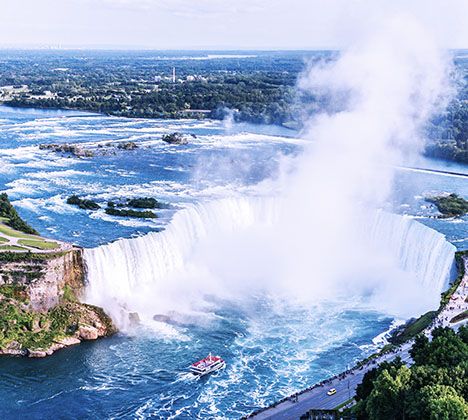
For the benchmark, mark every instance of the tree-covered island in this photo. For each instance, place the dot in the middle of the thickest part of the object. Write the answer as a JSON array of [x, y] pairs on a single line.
[[450, 205], [122, 207]]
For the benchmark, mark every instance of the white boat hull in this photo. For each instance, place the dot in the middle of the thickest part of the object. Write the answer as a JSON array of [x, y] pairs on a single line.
[[209, 369]]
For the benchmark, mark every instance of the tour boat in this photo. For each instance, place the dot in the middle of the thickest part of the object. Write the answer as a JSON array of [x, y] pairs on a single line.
[[207, 365]]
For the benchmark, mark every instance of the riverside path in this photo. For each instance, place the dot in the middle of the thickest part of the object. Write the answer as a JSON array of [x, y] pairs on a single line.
[[346, 383], [317, 397]]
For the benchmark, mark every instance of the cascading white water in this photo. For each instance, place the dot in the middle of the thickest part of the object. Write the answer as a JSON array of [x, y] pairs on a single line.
[[318, 241], [137, 273], [419, 249], [236, 244]]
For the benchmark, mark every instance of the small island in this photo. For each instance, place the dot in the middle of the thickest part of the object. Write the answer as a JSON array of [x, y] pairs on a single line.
[[72, 149], [450, 205], [125, 211], [145, 203], [79, 151], [147, 214], [83, 204], [127, 145]]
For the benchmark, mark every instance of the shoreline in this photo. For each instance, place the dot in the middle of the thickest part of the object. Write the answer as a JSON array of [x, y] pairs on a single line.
[[133, 117], [40, 289], [345, 383]]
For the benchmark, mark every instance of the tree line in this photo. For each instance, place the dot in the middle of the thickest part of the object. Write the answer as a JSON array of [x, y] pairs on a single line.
[[435, 387]]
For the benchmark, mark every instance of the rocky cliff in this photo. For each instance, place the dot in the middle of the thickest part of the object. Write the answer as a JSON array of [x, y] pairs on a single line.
[[40, 310]]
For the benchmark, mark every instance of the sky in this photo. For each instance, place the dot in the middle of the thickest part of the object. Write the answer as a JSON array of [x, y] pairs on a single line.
[[218, 24]]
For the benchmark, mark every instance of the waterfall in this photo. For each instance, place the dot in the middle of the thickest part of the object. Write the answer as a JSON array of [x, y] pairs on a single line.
[[121, 273], [210, 247], [418, 249]]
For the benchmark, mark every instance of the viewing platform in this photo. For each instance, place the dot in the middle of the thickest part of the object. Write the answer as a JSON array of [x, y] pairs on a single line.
[[16, 241]]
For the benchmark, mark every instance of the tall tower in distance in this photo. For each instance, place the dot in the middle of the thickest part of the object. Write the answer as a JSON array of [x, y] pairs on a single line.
[[173, 74]]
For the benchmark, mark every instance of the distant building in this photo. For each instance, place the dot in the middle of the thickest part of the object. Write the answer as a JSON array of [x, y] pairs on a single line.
[[196, 113], [173, 74]]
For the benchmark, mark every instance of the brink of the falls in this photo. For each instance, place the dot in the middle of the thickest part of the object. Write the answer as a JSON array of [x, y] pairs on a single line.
[[232, 248]]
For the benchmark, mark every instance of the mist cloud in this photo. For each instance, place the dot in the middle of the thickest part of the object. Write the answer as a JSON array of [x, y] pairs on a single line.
[[320, 236]]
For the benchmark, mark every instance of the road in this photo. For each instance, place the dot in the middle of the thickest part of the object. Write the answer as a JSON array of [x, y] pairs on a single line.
[[317, 397]]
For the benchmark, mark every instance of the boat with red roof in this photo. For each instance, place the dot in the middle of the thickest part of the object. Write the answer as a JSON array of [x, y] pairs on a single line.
[[207, 365]]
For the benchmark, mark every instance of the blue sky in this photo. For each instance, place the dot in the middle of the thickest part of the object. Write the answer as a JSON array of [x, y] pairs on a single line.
[[243, 24]]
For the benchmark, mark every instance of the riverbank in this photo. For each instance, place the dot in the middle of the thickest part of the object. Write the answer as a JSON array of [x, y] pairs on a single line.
[[40, 308], [41, 282], [316, 397]]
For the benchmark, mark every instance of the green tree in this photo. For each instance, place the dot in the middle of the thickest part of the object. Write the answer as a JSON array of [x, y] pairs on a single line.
[[364, 389], [419, 351], [387, 400], [442, 403], [445, 349]]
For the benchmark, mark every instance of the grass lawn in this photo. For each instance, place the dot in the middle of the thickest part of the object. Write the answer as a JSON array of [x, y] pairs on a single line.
[[11, 248], [3, 240], [11, 232], [39, 244]]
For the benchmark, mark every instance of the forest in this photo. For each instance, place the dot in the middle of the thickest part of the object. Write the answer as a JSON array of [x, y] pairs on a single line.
[[257, 87]]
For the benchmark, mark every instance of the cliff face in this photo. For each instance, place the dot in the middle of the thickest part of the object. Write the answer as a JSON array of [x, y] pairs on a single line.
[[46, 281], [40, 310]]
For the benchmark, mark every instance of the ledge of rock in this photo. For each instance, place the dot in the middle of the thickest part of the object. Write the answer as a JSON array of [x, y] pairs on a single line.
[[40, 313]]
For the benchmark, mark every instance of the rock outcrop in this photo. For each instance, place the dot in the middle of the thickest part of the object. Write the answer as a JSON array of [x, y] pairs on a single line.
[[40, 310], [175, 138]]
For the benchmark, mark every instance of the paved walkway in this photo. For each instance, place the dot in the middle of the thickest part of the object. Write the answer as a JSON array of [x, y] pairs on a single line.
[[345, 384], [317, 397], [456, 305], [13, 241]]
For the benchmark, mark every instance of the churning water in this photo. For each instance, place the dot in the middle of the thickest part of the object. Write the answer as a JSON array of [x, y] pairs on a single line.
[[225, 270]]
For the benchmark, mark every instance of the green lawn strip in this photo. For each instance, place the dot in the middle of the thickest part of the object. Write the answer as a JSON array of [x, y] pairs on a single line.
[[16, 234], [413, 328], [344, 404], [3, 240], [460, 317], [38, 244], [12, 248]]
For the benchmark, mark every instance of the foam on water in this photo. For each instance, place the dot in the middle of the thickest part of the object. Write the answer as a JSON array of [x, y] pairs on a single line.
[[168, 270], [145, 370]]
